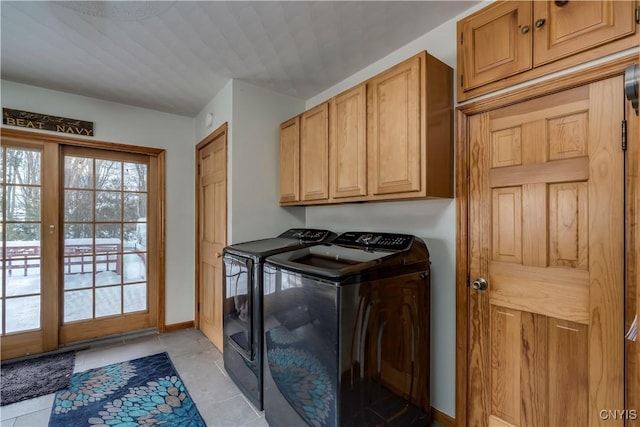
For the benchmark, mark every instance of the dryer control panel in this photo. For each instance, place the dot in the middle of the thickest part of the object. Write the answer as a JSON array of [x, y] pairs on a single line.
[[383, 241], [306, 234]]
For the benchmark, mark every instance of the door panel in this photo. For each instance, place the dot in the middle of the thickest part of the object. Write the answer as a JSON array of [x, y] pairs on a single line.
[[494, 44], [394, 129], [314, 153], [546, 231], [212, 234], [290, 161], [578, 25], [348, 143]]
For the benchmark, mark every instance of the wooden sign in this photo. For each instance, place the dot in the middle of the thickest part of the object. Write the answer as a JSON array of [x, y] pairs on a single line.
[[27, 119]]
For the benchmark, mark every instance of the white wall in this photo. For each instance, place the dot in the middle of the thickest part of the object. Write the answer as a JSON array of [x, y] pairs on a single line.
[[253, 115], [257, 114], [432, 220], [137, 126]]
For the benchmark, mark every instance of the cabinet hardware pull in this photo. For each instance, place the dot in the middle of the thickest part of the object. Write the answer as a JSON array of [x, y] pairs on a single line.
[[561, 3], [540, 22], [525, 29]]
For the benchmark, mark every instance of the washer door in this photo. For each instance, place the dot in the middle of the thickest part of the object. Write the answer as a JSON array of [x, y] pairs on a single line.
[[238, 314]]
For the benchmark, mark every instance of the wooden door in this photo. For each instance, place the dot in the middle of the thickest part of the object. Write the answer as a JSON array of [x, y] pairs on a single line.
[[348, 144], [546, 231], [290, 161], [494, 43], [565, 28], [395, 108], [29, 252], [109, 261], [314, 153], [212, 232]]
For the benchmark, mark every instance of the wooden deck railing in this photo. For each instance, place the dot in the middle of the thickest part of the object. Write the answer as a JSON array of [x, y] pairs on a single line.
[[25, 255]]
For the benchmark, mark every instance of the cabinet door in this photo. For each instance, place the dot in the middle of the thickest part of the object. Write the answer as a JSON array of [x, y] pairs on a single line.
[[395, 129], [348, 144], [290, 161], [494, 43], [314, 153], [568, 27]]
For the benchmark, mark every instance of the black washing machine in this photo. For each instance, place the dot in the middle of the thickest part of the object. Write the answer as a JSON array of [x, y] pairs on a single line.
[[347, 333], [242, 303]]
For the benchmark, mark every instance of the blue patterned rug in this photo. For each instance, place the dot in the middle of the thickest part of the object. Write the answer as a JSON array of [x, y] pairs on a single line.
[[145, 391]]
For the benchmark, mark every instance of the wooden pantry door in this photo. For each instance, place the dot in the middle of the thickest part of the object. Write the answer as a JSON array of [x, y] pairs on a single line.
[[211, 185], [546, 234]]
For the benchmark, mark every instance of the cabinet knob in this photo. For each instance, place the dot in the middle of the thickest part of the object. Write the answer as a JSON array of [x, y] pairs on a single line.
[[561, 3], [524, 29], [540, 22], [218, 255]]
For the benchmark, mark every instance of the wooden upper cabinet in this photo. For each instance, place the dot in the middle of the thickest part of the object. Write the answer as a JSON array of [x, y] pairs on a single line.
[[567, 27], [410, 130], [495, 43], [348, 144], [390, 137], [314, 153], [510, 42], [394, 129], [290, 161]]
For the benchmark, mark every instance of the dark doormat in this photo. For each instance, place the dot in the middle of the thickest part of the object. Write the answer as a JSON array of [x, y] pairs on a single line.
[[31, 378]]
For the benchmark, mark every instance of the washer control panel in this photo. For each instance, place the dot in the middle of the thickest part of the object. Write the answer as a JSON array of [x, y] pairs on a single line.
[[384, 241]]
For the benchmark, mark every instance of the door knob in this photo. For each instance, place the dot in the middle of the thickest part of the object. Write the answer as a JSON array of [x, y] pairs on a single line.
[[480, 284], [218, 254]]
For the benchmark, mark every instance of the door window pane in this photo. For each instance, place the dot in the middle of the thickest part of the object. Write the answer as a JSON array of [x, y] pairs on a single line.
[[108, 175], [108, 301], [23, 203], [135, 297], [78, 206], [23, 313], [135, 207], [78, 172], [22, 166], [105, 238], [78, 305], [135, 268], [108, 206], [135, 177]]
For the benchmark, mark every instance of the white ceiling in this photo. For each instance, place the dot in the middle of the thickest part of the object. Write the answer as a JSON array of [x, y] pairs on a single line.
[[174, 56]]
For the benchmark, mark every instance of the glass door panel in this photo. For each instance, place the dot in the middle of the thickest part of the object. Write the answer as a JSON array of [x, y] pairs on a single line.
[[105, 242], [21, 228]]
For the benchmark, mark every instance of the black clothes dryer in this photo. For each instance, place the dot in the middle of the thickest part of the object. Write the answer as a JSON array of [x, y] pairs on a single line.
[[242, 303], [347, 333]]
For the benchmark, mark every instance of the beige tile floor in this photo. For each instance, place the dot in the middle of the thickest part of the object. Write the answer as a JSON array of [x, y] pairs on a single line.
[[198, 362]]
